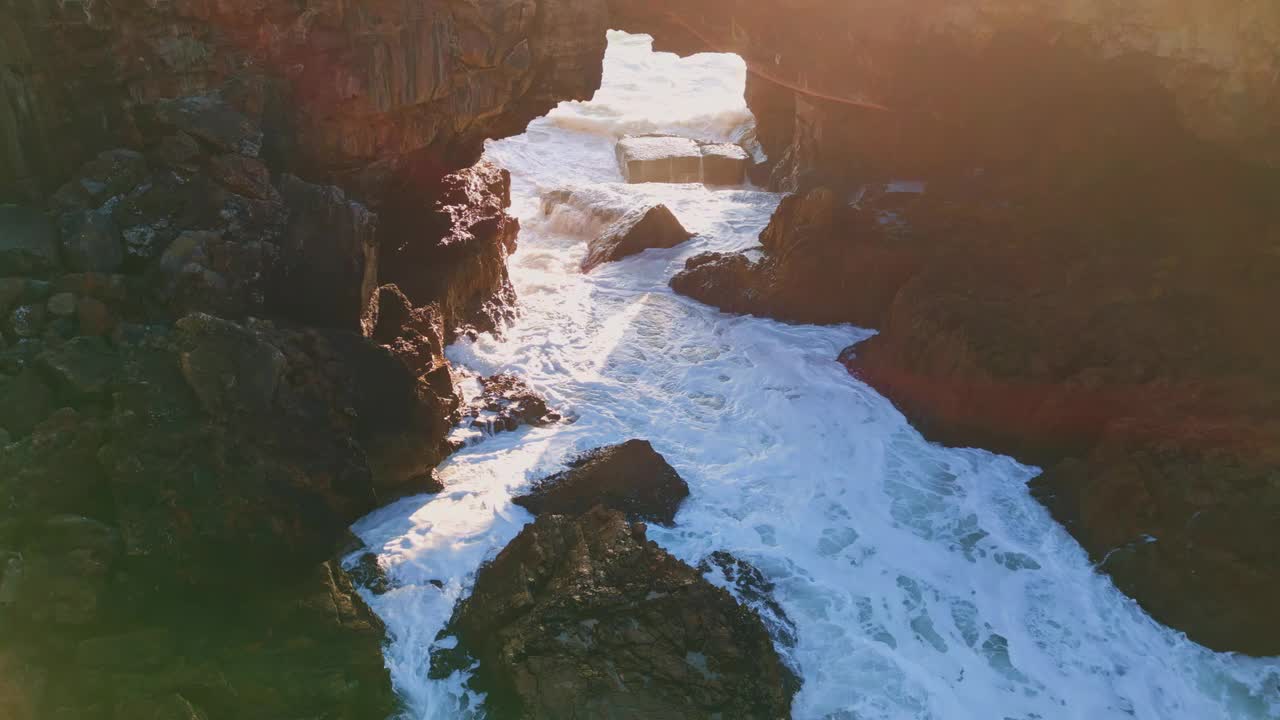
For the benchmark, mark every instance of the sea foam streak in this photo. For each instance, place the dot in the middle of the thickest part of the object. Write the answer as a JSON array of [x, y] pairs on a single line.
[[924, 582]]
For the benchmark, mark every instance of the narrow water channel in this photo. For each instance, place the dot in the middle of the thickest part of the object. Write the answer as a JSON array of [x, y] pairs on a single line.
[[923, 582]]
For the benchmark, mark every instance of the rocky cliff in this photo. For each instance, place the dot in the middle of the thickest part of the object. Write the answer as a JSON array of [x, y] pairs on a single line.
[[1075, 272], [815, 64], [207, 367], [348, 91]]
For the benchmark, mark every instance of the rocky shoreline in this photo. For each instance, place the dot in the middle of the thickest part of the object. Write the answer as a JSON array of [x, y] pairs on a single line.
[[234, 242], [1114, 351], [1075, 274], [211, 366]]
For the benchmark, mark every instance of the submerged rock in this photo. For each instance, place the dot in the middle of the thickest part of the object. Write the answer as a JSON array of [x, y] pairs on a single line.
[[638, 230], [631, 477], [584, 617]]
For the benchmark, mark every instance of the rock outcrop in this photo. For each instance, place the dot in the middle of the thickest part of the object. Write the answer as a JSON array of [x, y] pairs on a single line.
[[633, 233], [584, 617], [630, 477], [810, 272], [207, 371], [350, 94], [1017, 327], [822, 73], [454, 249], [506, 403], [1072, 285], [670, 159]]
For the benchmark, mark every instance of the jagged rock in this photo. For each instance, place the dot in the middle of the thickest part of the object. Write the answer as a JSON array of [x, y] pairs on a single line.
[[638, 230], [91, 242], [755, 591], [454, 253], [631, 477], [369, 574], [328, 267], [28, 242], [506, 402], [407, 399], [584, 617]]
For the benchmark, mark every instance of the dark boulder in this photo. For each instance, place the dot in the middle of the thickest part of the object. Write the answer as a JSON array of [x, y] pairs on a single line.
[[631, 477], [754, 590], [638, 230], [584, 617]]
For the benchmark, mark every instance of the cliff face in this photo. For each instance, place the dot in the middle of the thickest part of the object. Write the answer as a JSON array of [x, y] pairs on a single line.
[[350, 88], [1215, 62], [1075, 277], [206, 369]]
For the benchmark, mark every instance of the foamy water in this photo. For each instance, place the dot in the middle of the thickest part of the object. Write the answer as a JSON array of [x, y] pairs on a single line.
[[923, 582]]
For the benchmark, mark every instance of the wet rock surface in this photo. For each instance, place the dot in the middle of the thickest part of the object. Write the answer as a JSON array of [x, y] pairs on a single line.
[[633, 233], [630, 477], [584, 617], [809, 272], [671, 159], [506, 403], [1016, 327], [1065, 282]]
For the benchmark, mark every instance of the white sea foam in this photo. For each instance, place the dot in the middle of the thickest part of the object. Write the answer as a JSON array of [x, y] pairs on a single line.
[[924, 582]]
